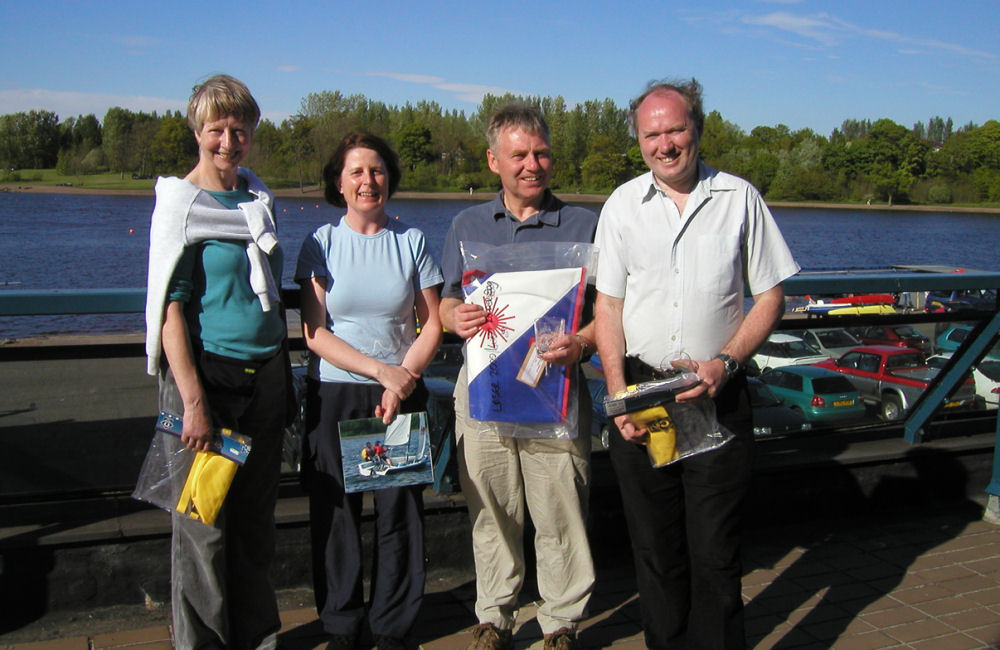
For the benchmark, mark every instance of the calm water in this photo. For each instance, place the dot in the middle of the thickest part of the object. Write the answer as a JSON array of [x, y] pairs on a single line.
[[58, 241]]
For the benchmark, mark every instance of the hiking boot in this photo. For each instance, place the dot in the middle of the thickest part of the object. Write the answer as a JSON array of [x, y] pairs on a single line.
[[487, 636], [562, 639], [342, 642], [389, 643]]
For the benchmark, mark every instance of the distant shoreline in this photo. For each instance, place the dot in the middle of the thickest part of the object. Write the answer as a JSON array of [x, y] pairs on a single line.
[[316, 192]]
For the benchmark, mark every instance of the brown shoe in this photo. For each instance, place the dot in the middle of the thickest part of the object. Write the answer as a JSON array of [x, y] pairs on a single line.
[[487, 636], [562, 639]]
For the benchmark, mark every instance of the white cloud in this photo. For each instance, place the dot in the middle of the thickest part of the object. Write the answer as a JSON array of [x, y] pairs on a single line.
[[68, 104], [810, 28], [830, 30], [472, 93]]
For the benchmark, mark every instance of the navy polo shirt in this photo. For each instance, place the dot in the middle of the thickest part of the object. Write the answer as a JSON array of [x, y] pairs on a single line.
[[491, 223]]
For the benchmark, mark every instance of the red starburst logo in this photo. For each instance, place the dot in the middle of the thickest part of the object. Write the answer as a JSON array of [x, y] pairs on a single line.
[[495, 328]]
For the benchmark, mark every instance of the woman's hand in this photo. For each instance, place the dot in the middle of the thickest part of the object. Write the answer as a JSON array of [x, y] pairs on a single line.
[[398, 379], [197, 431], [389, 408]]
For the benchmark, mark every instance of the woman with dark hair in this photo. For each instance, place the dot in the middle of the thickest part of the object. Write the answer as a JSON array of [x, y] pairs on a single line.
[[213, 311], [363, 279]]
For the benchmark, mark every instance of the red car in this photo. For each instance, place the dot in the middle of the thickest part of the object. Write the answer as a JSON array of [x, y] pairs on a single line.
[[900, 336], [893, 378]]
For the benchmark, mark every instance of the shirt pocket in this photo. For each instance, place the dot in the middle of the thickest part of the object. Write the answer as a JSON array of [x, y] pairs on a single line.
[[718, 266]]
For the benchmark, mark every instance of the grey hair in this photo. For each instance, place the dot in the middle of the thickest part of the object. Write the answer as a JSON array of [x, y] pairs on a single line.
[[515, 115]]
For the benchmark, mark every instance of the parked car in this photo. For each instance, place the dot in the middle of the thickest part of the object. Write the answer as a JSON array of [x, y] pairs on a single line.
[[893, 378], [831, 341], [901, 336], [770, 416], [782, 349], [986, 376], [952, 338], [938, 301], [821, 395], [600, 426]]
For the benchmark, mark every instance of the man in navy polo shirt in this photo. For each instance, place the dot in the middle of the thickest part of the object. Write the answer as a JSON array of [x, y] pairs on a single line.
[[500, 474]]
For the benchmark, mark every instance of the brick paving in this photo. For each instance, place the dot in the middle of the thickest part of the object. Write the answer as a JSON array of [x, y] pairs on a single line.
[[929, 580]]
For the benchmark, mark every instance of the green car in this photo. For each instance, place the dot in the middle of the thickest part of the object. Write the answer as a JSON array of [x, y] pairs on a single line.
[[821, 395]]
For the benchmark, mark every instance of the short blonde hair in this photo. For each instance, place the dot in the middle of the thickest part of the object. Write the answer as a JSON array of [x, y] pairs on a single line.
[[218, 97]]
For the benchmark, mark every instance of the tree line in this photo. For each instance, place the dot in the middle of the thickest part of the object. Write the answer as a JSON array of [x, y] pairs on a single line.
[[932, 162]]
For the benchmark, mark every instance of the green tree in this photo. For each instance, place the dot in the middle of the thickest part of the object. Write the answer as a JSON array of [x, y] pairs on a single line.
[[298, 148], [29, 140], [174, 149], [415, 145], [719, 137], [604, 167], [117, 127]]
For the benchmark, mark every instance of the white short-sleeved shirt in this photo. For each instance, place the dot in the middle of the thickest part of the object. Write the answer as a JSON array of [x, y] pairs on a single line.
[[371, 281], [683, 277]]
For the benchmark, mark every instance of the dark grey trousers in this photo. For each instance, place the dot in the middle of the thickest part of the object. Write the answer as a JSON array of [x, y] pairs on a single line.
[[221, 590]]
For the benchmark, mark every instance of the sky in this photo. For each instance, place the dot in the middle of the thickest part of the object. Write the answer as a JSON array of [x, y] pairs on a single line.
[[801, 63]]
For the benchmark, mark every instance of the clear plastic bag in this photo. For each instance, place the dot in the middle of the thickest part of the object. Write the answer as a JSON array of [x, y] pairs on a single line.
[[511, 390], [677, 430], [181, 480]]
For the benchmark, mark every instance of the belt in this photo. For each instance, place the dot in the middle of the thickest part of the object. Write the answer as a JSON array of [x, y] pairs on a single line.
[[637, 370]]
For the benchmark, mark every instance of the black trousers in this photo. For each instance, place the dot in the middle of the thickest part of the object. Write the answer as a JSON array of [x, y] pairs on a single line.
[[684, 521], [397, 580]]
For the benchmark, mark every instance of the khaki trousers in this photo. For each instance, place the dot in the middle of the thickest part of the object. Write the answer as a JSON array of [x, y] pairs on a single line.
[[499, 475]]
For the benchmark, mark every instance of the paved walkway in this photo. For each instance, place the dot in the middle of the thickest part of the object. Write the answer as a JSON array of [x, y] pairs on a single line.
[[929, 579]]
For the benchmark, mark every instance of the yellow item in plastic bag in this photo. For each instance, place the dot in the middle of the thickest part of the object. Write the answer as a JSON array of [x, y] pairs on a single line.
[[206, 486], [662, 443]]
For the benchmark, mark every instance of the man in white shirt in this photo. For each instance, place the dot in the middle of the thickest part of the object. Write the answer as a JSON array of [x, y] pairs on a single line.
[[677, 247]]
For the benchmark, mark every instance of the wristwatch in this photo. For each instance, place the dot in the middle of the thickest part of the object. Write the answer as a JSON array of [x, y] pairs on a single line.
[[732, 365]]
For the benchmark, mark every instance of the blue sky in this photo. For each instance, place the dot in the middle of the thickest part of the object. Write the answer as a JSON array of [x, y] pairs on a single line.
[[765, 62]]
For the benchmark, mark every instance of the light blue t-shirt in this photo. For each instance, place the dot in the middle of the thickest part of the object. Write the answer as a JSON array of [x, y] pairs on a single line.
[[371, 281]]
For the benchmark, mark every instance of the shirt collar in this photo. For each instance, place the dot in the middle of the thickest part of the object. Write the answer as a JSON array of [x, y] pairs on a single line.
[[548, 214], [708, 181]]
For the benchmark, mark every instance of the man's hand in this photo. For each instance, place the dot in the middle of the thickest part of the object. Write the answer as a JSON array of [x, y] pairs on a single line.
[[712, 374], [630, 432], [468, 319], [565, 351]]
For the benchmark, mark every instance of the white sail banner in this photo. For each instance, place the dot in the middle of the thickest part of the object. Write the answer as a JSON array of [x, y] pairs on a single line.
[[496, 357]]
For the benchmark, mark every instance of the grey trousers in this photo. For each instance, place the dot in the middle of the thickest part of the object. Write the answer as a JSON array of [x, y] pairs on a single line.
[[221, 592]]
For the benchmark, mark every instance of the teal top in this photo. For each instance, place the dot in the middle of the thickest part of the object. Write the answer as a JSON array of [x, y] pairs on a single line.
[[222, 311]]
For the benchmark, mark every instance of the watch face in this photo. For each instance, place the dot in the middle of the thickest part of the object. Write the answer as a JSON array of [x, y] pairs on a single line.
[[731, 364]]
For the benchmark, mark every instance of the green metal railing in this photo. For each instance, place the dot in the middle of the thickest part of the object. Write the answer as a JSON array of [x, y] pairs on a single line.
[[897, 280]]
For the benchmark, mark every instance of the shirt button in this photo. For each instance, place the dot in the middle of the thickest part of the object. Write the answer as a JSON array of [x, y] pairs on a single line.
[[677, 304], [677, 271]]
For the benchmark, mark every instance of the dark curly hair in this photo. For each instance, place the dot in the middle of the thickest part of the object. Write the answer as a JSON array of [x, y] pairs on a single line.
[[333, 168]]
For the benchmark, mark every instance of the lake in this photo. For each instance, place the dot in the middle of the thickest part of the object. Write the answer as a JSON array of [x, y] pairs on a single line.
[[67, 241]]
